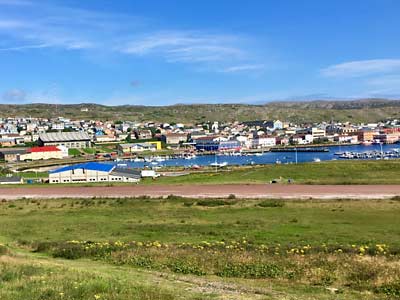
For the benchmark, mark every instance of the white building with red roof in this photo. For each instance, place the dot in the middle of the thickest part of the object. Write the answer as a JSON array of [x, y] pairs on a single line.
[[45, 152]]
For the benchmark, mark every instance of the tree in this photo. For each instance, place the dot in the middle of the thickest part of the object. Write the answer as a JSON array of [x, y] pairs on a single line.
[[129, 138]]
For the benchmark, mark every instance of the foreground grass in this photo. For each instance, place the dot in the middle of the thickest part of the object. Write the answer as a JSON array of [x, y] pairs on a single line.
[[221, 248], [33, 278], [190, 220], [329, 172]]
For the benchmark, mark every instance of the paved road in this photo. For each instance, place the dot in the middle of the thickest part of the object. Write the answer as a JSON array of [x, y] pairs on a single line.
[[208, 191]]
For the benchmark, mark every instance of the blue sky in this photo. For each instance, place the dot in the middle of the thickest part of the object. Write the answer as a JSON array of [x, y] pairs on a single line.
[[210, 51]]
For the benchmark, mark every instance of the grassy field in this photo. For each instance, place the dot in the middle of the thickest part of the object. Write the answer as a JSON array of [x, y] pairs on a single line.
[[199, 249], [89, 150], [74, 152], [330, 172]]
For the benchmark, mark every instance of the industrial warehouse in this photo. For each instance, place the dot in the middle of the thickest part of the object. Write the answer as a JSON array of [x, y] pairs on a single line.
[[68, 139], [93, 172]]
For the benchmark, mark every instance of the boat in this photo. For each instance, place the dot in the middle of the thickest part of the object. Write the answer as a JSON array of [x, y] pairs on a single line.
[[122, 165], [236, 154], [317, 159], [219, 165], [366, 143]]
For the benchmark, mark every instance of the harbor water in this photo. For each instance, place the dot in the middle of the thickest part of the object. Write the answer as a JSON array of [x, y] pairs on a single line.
[[263, 158]]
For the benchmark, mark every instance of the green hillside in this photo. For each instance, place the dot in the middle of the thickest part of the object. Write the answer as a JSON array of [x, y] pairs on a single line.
[[366, 110]]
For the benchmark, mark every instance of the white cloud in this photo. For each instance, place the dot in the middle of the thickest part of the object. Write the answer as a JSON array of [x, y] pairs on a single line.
[[24, 47], [242, 68], [362, 68], [44, 25], [185, 46]]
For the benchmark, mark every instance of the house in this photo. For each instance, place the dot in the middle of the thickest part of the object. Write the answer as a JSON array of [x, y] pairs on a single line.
[[145, 134], [264, 141], [93, 172], [104, 138], [68, 139], [45, 152], [130, 148], [366, 135], [346, 139], [12, 155], [7, 142], [11, 180], [387, 138], [175, 138], [318, 133], [215, 143], [276, 124]]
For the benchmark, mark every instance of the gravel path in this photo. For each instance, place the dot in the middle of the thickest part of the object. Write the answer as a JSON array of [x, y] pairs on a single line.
[[208, 191]]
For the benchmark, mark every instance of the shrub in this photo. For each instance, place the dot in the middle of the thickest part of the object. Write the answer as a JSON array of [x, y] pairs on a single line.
[[185, 268], [389, 289], [214, 202], [250, 270], [3, 250], [271, 203], [362, 274], [69, 251]]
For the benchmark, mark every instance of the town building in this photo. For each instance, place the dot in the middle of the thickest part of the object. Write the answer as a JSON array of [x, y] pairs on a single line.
[[77, 139], [43, 153], [213, 143], [11, 180], [12, 154], [175, 138], [93, 172], [318, 133], [264, 141], [127, 149], [366, 135]]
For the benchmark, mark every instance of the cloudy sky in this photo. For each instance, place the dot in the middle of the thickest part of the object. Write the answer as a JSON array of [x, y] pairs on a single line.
[[210, 51]]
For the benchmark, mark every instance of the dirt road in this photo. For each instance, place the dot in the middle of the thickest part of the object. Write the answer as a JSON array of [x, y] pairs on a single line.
[[208, 191]]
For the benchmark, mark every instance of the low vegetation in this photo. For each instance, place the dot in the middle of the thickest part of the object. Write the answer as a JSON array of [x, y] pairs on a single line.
[[329, 172], [179, 248]]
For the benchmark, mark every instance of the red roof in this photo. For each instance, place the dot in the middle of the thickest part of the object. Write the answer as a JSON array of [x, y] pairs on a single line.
[[44, 149]]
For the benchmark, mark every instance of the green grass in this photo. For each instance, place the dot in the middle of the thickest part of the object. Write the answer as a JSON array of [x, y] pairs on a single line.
[[74, 152], [188, 220], [181, 239], [34, 175], [89, 150], [330, 172], [42, 279]]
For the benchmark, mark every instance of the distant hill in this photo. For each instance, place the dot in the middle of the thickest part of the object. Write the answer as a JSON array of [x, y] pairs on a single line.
[[364, 110]]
